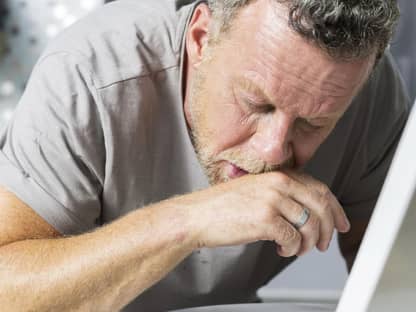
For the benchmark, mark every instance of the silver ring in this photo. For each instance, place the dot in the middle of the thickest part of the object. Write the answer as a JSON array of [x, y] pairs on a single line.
[[303, 218]]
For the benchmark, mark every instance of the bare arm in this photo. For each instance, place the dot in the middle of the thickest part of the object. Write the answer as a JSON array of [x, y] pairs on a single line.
[[106, 269], [99, 271]]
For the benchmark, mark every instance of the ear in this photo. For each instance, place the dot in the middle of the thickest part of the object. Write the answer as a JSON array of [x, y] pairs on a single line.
[[197, 34]]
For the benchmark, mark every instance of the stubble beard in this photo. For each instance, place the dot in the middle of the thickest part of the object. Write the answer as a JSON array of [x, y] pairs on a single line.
[[199, 133], [213, 163]]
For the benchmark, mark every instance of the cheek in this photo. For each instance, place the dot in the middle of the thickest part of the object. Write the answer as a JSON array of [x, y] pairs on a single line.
[[228, 123]]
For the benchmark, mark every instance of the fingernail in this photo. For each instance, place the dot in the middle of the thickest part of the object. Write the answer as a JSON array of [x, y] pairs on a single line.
[[323, 247], [347, 225]]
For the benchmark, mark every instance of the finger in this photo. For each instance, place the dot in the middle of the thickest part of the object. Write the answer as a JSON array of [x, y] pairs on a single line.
[[310, 231], [320, 209], [326, 231], [286, 236], [342, 224], [290, 209], [341, 221], [315, 195], [326, 226]]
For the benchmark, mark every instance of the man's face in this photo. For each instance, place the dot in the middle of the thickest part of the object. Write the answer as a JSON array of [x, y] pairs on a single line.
[[263, 98]]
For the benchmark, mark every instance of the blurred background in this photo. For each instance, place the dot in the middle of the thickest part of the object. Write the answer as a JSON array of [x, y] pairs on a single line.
[[27, 26]]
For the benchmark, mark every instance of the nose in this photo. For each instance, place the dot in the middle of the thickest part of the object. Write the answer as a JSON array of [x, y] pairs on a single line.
[[272, 141]]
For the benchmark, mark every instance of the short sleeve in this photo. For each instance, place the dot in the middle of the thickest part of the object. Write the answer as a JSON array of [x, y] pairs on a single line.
[[389, 111], [52, 152]]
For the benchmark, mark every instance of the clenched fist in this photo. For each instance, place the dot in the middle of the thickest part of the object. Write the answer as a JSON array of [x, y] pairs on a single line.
[[265, 207]]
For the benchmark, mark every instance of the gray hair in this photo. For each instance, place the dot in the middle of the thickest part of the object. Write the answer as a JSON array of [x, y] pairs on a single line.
[[345, 29]]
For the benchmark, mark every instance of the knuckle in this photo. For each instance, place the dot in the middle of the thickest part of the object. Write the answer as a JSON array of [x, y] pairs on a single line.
[[315, 221], [279, 178], [288, 235], [326, 193], [265, 202], [268, 214], [271, 197], [322, 188], [313, 224], [325, 207], [325, 199]]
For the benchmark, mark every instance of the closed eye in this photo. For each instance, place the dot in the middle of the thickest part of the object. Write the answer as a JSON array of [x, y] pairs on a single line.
[[260, 107], [308, 126]]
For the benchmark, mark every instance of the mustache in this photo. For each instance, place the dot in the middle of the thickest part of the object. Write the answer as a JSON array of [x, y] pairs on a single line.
[[252, 164]]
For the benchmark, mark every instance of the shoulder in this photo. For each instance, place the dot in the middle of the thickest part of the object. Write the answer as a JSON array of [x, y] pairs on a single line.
[[384, 92], [388, 106], [375, 121], [125, 39]]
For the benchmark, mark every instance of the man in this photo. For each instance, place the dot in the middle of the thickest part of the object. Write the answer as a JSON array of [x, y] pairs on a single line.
[[146, 100]]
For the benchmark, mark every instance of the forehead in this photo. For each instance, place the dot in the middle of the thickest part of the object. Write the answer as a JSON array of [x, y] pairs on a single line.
[[281, 62]]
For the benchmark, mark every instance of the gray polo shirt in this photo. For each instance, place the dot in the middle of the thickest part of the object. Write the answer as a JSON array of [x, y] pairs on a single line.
[[100, 131]]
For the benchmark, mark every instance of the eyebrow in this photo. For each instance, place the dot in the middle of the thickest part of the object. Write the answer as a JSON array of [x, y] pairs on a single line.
[[249, 85]]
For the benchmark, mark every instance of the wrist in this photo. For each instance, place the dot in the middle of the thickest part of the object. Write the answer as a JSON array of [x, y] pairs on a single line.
[[177, 222]]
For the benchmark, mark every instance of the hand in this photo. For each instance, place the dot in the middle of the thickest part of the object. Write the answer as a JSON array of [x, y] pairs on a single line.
[[265, 207], [328, 211]]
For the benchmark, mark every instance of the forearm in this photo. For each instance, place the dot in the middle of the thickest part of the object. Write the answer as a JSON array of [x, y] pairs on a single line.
[[101, 271]]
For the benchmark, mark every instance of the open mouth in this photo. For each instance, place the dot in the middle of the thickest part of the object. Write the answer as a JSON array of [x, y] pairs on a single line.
[[235, 171]]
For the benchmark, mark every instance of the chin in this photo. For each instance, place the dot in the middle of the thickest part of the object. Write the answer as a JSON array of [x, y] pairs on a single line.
[[217, 176], [215, 180]]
